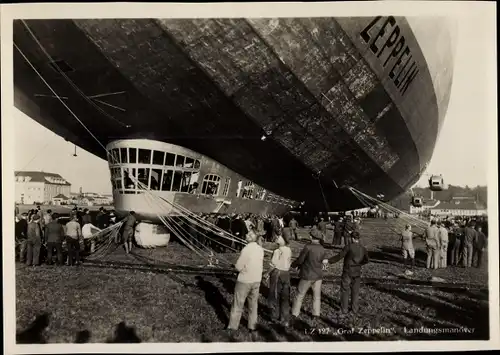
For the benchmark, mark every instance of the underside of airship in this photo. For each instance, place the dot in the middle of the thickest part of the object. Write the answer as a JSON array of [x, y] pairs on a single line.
[[299, 106]]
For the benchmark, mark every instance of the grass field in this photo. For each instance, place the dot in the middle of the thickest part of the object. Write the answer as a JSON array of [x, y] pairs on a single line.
[[87, 304]]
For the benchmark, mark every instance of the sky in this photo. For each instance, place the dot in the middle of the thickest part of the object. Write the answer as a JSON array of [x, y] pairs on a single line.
[[459, 154]]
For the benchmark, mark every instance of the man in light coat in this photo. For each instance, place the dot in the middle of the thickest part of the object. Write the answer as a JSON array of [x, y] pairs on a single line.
[[250, 268], [431, 237], [443, 244]]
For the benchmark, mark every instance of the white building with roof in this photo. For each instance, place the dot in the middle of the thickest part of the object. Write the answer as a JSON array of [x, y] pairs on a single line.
[[33, 187]]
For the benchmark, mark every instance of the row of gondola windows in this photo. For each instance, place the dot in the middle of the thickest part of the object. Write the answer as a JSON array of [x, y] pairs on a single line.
[[187, 181], [168, 180], [155, 157]]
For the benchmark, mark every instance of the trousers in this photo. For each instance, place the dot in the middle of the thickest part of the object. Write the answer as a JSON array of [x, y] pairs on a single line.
[[50, 249], [279, 294], [478, 256], [468, 251], [455, 252], [433, 255], [443, 260], [304, 286], [242, 291], [352, 284], [73, 251], [22, 250], [337, 238], [33, 252]]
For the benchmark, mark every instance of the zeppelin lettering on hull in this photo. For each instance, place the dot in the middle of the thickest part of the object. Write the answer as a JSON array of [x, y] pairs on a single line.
[[389, 44]]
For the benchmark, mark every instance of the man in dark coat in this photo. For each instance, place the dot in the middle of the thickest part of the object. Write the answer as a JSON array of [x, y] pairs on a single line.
[[355, 256], [310, 263], [322, 227], [54, 235], [293, 226], [128, 231], [479, 246], [21, 231]]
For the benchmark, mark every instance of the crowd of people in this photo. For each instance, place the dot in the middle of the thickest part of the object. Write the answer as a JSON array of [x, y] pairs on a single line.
[[449, 242], [39, 233]]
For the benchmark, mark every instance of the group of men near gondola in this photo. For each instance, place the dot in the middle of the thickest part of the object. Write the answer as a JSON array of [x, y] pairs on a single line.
[[311, 262], [39, 233]]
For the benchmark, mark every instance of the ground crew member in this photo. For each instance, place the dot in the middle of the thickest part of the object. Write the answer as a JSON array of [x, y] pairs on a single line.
[[293, 226], [34, 242], [337, 238], [279, 283], [407, 246], [87, 218], [54, 235], [322, 227], [101, 218], [128, 231], [479, 246], [355, 256], [275, 228], [443, 245], [310, 262], [456, 252], [469, 237], [73, 239], [431, 238], [287, 234], [250, 267], [47, 218], [21, 231], [260, 227]]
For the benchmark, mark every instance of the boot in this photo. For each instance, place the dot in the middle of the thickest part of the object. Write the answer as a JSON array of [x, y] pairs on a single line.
[[412, 263]]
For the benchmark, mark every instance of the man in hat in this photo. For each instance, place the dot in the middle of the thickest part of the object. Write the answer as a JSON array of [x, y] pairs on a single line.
[[279, 283], [458, 242], [355, 256], [73, 239], [310, 263], [407, 246], [21, 231], [54, 235], [337, 236], [128, 231], [443, 245], [249, 266], [469, 237], [34, 242], [322, 224], [87, 218], [293, 226], [100, 218], [431, 237], [479, 246]]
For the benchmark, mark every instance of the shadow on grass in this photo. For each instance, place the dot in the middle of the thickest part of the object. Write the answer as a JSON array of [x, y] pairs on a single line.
[[465, 313], [82, 337], [393, 255], [124, 334], [34, 333], [214, 298]]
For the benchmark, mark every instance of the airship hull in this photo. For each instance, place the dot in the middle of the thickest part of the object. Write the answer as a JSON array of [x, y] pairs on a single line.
[[353, 101]]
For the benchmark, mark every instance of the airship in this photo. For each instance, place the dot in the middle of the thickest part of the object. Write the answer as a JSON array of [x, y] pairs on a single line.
[[242, 115]]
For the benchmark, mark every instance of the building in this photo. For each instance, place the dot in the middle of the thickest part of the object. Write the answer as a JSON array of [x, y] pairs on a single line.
[[60, 200], [33, 187], [459, 206]]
